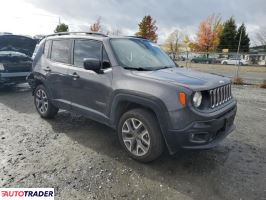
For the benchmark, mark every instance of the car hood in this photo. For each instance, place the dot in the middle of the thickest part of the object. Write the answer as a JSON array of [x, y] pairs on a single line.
[[185, 77], [13, 57], [17, 43]]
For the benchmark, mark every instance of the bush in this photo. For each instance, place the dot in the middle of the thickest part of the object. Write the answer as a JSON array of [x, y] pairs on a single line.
[[263, 85], [238, 81]]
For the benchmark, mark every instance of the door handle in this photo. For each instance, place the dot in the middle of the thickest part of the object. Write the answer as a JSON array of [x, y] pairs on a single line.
[[75, 75], [47, 69]]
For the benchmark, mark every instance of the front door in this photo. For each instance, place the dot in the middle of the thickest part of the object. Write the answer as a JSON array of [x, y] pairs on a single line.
[[90, 91]]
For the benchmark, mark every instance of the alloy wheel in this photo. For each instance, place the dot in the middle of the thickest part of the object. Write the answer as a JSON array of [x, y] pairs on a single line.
[[136, 137], [41, 101]]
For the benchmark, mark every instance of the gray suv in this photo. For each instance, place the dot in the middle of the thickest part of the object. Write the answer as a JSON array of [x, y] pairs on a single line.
[[131, 85]]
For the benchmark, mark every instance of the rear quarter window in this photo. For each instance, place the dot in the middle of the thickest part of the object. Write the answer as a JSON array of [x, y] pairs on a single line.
[[47, 47]]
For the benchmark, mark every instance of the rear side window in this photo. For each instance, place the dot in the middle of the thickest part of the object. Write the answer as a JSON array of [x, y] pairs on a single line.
[[86, 49], [61, 51]]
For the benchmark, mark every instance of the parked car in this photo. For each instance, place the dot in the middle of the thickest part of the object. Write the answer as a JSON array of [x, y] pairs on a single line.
[[15, 59], [203, 59], [131, 85], [234, 61], [180, 58], [219, 60]]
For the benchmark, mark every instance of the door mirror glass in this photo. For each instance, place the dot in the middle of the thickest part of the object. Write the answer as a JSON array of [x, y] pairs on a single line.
[[93, 64]]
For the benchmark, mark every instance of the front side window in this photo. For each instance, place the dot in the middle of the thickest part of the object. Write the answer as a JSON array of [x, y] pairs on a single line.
[[61, 51], [86, 49], [140, 53]]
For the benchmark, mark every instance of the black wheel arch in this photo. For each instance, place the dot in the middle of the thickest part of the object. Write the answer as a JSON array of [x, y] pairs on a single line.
[[123, 101], [35, 79]]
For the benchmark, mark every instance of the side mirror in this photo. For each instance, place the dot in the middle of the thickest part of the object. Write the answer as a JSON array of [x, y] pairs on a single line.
[[92, 64]]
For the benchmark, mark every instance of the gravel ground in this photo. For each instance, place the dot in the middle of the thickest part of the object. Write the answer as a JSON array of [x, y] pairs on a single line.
[[82, 159]]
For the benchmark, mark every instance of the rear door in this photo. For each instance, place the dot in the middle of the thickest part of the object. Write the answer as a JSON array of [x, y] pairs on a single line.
[[56, 68]]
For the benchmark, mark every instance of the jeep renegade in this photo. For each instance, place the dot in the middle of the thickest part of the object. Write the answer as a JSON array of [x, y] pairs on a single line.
[[131, 85]]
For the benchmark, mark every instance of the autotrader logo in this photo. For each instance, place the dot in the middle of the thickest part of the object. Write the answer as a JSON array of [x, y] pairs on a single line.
[[26, 193]]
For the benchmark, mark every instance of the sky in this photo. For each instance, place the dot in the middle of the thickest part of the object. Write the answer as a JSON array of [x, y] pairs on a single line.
[[32, 17]]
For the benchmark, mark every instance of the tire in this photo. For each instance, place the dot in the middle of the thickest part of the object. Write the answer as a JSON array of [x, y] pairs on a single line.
[[241, 64], [143, 147], [43, 103], [224, 63]]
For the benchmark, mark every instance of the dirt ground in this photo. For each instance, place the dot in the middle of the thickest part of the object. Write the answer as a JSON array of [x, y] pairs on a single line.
[[82, 159]]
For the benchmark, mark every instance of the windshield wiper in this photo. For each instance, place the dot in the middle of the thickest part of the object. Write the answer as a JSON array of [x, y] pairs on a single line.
[[164, 67], [138, 68]]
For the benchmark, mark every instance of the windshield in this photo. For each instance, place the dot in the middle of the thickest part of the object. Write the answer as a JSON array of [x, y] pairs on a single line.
[[140, 53]]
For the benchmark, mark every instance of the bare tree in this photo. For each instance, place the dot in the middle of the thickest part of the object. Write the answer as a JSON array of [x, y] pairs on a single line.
[[173, 43], [96, 27], [115, 32], [261, 36]]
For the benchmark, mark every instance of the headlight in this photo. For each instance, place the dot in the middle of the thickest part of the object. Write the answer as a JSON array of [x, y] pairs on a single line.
[[197, 99], [2, 67]]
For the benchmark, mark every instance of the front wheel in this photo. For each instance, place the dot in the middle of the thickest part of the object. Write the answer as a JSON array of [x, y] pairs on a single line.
[[43, 103], [140, 135]]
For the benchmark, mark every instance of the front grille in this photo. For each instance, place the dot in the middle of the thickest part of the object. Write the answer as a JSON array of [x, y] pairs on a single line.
[[220, 95]]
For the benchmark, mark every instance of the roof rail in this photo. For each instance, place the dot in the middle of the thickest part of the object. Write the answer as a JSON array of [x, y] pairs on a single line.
[[140, 37], [76, 33]]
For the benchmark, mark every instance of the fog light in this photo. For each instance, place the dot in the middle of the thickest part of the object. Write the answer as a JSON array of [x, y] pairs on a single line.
[[199, 137]]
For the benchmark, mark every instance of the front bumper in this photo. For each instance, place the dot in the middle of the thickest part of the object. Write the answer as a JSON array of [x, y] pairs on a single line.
[[11, 78], [202, 134]]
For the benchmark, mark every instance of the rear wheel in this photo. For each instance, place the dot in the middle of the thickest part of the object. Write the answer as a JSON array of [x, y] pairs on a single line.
[[140, 135], [43, 103]]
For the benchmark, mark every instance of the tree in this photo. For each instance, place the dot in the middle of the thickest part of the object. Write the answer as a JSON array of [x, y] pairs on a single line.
[[173, 43], [261, 37], [147, 28], [208, 37], [228, 37], [61, 28], [244, 44], [115, 32], [96, 27]]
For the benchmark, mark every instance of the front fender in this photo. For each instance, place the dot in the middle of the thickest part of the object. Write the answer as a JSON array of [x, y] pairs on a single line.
[[148, 101], [151, 102]]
